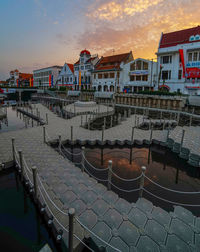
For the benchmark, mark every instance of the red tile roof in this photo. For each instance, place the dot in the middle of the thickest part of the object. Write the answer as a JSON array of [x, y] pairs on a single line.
[[24, 76], [78, 62], [71, 67], [178, 37], [85, 51], [111, 62]]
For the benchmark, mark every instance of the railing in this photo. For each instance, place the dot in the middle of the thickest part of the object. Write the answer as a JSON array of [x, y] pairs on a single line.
[[39, 191]]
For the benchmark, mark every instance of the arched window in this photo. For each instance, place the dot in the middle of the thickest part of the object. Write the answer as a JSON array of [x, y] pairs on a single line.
[[132, 66], [192, 38], [197, 37]]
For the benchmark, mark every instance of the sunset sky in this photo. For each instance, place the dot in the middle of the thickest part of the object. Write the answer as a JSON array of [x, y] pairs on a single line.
[[40, 33]]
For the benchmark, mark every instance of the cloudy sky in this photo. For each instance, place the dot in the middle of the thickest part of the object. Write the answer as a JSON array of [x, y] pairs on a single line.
[[39, 33]]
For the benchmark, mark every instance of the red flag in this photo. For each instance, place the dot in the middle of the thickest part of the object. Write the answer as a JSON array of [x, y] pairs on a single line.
[[182, 61], [49, 80]]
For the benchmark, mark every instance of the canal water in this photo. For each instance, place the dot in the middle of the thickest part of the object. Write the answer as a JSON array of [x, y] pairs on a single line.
[[162, 166], [21, 228], [13, 122]]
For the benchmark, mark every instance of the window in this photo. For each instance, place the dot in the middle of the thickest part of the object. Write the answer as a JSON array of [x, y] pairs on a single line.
[[70, 79], [65, 69], [145, 65], [76, 68], [118, 75], [144, 77], [138, 77], [166, 59], [132, 66], [132, 78], [179, 74], [192, 38], [189, 56], [112, 75], [166, 75], [67, 79], [195, 56], [94, 76], [139, 65], [99, 76], [82, 67], [106, 75]]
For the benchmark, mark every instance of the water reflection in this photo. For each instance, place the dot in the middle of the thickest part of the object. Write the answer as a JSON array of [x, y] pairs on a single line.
[[163, 167], [15, 121]]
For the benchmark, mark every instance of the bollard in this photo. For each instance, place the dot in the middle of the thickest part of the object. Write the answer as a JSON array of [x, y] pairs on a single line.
[[164, 124], [25, 120], [168, 131], [190, 121], [151, 134], [44, 134], [178, 118], [13, 149], [47, 120], [132, 135], [102, 135], [104, 122], [21, 164], [142, 181], [111, 121], [71, 134], [182, 138], [83, 159], [34, 170], [109, 174], [59, 143], [71, 215]]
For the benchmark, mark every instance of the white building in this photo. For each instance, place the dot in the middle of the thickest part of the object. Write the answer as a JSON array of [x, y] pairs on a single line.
[[179, 61], [139, 75], [46, 77], [108, 72], [82, 70], [66, 76]]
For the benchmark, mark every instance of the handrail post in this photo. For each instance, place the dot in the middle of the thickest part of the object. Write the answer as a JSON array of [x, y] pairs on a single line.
[[151, 134], [82, 159], [111, 121], [132, 134], [102, 135], [47, 120], [89, 124], [34, 171], [182, 138], [71, 215], [21, 163], [44, 134], [13, 149], [104, 122], [142, 181], [109, 174], [71, 134], [59, 143]]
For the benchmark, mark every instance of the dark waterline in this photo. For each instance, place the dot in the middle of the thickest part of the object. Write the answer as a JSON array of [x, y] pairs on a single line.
[[21, 228]]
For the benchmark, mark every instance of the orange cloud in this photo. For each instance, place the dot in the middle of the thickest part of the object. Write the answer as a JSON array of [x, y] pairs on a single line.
[[135, 25]]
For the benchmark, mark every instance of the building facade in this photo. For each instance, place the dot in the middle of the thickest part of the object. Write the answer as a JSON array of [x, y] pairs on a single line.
[[179, 61], [108, 73], [139, 75], [82, 70], [66, 76], [46, 77], [18, 79]]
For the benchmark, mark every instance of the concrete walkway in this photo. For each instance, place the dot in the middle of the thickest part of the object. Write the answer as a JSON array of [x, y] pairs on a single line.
[[127, 226]]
